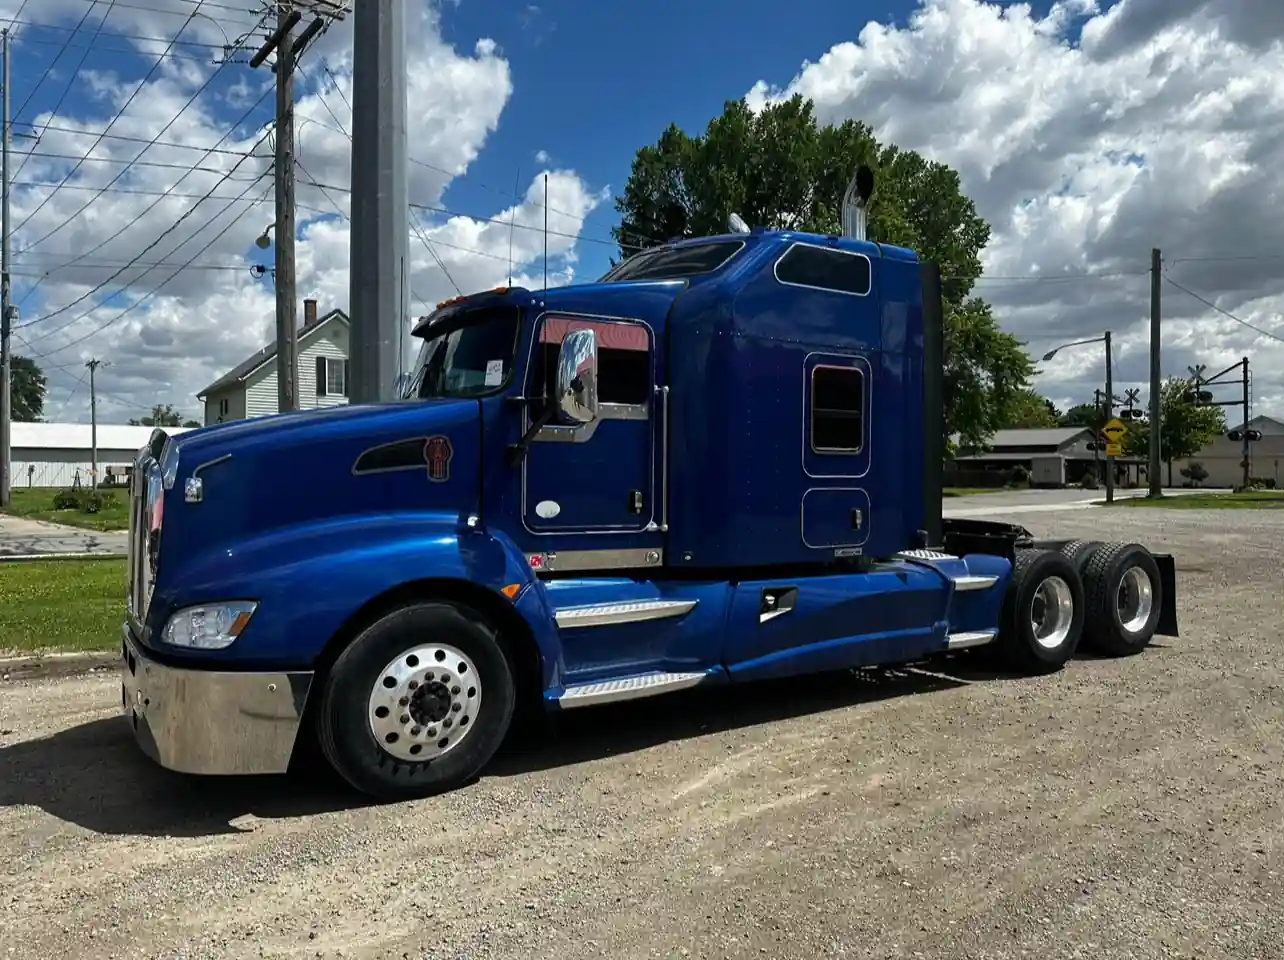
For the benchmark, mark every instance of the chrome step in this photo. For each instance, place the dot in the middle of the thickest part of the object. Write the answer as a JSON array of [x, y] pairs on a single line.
[[974, 581], [627, 688], [971, 638], [624, 611]]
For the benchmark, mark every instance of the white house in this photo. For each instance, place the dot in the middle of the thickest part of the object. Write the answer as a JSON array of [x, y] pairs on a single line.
[[56, 454], [249, 389], [1223, 458]]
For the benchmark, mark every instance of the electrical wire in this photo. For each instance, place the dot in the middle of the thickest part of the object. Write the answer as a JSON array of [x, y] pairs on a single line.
[[151, 293], [71, 78], [1225, 313], [242, 155], [152, 142], [174, 226], [200, 5], [70, 393], [121, 112]]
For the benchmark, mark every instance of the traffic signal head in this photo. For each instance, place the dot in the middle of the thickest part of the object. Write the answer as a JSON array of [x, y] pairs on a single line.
[[1254, 435]]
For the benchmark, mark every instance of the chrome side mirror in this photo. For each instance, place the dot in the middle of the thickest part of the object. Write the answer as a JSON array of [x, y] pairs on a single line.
[[576, 396]]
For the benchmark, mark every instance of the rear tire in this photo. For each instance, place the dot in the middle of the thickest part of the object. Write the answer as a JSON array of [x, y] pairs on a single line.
[[1123, 598], [418, 704], [1043, 612], [1078, 551]]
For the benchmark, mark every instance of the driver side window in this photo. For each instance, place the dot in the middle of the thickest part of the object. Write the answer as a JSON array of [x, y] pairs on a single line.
[[624, 365]]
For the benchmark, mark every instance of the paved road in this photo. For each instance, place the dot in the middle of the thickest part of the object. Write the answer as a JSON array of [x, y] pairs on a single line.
[[20, 537], [1040, 501]]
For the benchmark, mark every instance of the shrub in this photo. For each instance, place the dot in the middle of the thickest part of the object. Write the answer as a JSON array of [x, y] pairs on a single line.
[[66, 500], [86, 501], [1195, 473]]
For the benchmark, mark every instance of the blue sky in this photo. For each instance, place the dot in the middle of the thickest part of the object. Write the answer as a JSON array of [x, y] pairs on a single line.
[[1013, 97]]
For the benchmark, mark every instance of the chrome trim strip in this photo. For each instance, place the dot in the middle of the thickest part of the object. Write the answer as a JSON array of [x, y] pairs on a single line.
[[625, 611], [613, 559], [974, 581], [627, 688], [211, 722], [970, 638], [664, 459]]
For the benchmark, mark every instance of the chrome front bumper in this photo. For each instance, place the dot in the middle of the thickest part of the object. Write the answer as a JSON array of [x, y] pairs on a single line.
[[207, 722]]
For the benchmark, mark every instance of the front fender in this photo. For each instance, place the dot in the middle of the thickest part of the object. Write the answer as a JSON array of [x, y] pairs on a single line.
[[309, 580]]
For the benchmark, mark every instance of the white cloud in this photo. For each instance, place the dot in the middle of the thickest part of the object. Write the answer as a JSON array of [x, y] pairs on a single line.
[[167, 338], [1086, 138]]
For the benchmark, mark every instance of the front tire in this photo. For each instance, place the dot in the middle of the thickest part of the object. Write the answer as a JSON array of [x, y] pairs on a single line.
[[418, 704], [1043, 612]]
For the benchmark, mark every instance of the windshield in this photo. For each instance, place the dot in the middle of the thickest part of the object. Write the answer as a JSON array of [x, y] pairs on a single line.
[[470, 361], [673, 263]]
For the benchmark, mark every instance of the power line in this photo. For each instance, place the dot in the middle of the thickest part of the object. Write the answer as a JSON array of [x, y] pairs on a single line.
[[53, 62], [200, 7], [242, 155], [186, 213], [1225, 313], [93, 45], [151, 293], [156, 142], [142, 85]]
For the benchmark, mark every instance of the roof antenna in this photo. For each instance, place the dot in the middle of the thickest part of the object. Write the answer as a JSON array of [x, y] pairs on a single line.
[[856, 203], [736, 224], [546, 232], [512, 222]]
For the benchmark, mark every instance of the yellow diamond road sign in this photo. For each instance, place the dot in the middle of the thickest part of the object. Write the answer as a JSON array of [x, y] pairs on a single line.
[[1114, 431]]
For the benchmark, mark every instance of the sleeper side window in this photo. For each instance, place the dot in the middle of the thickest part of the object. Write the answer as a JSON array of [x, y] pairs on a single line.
[[837, 409], [824, 268]]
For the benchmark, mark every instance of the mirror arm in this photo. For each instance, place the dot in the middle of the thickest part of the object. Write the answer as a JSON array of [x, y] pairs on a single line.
[[516, 452]]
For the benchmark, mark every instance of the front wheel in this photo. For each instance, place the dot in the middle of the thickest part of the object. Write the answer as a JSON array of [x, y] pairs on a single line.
[[418, 703], [1043, 612]]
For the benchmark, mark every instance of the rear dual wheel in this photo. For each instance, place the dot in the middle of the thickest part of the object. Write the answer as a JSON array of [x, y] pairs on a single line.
[[1043, 612]]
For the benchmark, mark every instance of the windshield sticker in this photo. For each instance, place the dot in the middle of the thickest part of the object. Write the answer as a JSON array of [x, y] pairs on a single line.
[[437, 454], [494, 373]]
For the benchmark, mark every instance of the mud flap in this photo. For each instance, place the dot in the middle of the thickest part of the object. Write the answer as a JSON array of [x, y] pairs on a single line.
[[1168, 588]]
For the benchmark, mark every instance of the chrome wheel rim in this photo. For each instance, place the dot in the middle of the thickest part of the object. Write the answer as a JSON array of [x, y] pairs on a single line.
[[1135, 599], [1052, 613], [425, 702]]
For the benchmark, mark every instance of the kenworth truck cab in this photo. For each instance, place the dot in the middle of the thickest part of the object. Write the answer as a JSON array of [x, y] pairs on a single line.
[[719, 463]]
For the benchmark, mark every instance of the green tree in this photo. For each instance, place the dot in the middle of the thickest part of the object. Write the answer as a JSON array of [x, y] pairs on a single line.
[[1030, 410], [27, 390], [163, 415], [1082, 415], [780, 169], [1185, 426]]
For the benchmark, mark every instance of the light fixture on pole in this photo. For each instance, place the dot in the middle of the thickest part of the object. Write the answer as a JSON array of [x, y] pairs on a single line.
[[1110, 398], [263, 241]]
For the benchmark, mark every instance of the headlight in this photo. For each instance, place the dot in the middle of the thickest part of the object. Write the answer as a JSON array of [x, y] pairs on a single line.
[[210, 626]]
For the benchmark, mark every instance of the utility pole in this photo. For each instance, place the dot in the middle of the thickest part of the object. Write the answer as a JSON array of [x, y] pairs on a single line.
[[1156, 488], [6, 311], [93, 366], [1110, 412], [287, 336], [1244, 442], [377, 298]]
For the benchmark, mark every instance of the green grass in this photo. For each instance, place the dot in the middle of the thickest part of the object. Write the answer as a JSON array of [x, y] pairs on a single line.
[[62, 605], [970, 491], [1252, 500], [37, 504]]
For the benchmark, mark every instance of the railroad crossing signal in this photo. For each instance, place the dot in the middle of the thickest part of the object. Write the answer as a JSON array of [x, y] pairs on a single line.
[[1251, 435]]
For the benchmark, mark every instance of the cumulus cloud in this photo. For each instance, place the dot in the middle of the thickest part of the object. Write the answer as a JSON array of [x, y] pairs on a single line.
[[1086, 137], [142, 255]]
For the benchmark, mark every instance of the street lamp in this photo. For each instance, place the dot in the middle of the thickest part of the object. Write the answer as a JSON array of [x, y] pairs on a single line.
[[1110, 398], [263, 241]]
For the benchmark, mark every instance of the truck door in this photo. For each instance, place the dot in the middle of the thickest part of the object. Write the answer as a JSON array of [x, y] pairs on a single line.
[[598, 478]]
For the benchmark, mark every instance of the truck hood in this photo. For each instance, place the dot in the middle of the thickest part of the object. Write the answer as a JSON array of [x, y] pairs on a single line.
[[320, 466]]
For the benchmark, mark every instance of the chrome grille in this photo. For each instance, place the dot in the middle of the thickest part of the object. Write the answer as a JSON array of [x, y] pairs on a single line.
[[145, 488]]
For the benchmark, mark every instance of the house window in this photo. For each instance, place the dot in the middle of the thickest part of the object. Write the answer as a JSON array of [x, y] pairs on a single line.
[[837, 409], [824, 268], [223, 406], [332, 377]]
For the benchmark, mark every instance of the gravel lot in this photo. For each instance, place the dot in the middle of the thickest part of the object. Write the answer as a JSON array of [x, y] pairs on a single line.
[[1119, 809]]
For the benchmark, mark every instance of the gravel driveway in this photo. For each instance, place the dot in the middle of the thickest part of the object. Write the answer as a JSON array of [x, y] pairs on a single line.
[[1129, 809]]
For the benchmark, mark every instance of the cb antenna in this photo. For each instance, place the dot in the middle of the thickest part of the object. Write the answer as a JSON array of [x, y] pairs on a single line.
[[512, 222], [546, 232]]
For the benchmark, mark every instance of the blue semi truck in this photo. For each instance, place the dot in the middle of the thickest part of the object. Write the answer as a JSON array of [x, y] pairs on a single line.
[[719, 463]]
